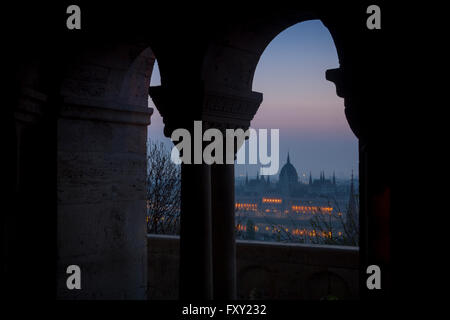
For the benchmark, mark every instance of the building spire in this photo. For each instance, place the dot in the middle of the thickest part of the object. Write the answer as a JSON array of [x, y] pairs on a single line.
[[334, 178], [352, 211], [351, 185], [288, 159], [310, 178]]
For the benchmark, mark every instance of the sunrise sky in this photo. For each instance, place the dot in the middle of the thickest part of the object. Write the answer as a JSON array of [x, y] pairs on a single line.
[[300, 102]]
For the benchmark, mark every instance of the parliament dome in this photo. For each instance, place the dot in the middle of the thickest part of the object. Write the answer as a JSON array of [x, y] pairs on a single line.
[[288, 174]]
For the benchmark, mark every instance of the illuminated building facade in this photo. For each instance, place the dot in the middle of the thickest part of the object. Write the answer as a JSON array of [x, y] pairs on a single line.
[[288, 205]]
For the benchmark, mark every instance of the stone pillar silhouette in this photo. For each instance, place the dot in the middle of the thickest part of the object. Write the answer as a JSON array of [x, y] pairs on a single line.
[[195, 230], [371, 122], [33, 146], [195, 233], [207, 240], [226, 110], [223, 225]]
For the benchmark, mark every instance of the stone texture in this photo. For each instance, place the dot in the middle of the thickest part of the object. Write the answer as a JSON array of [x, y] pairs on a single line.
[[266, 270], [101, 191]]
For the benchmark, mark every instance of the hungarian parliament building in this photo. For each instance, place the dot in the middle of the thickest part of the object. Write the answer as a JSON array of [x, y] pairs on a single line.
[[284, 208]]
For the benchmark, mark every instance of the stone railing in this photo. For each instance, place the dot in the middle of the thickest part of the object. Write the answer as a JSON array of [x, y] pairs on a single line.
[[266, 270]]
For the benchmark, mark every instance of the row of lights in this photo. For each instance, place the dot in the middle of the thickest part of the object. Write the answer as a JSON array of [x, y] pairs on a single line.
[[297, 209], [246, 206], [271, 200], [297, 232], [313, 209]]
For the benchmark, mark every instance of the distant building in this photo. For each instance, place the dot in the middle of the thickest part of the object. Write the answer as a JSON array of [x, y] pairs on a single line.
[[288, 180], [289, 200], [289, 185]]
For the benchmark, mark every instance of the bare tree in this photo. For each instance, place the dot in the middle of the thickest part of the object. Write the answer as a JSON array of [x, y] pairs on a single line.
[[346, 232], [163, 191]]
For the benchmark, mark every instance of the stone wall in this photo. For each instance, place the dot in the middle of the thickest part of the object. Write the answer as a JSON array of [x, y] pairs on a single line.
[[101, 175], [266, 270], [101, 208]]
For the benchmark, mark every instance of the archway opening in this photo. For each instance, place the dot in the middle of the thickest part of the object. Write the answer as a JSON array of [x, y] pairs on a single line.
[[163, 175], [313, 196]]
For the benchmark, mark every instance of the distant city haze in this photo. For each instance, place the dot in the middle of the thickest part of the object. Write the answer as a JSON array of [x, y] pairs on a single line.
[[298, 100]]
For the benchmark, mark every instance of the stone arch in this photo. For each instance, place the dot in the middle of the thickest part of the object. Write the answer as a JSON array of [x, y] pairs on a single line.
[[233, 57], [81, 95], [134, 89], [230, 63], [115, 75]]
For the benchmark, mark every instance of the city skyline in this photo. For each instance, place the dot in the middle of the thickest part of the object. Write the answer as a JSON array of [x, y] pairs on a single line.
[[303, 175]]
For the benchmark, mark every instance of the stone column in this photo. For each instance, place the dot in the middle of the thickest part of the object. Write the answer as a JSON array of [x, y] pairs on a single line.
[[371, 122], [195, 229], [226, 109], [223, 225], [101, 200], [32, 202], [195, 232], [207, 241]]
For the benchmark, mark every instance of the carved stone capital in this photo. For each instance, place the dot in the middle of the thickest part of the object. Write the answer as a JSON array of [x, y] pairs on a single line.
[[352, 108], [337, 77], [216, 108], [230, 111]]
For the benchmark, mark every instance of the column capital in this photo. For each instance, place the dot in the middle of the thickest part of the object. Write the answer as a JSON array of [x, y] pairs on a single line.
[[217, 107], [337, 77], [353, 114]]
